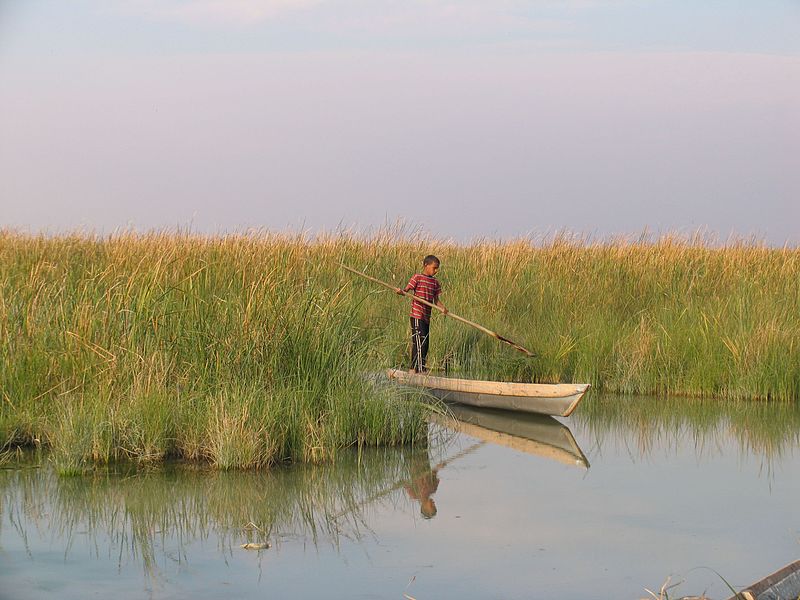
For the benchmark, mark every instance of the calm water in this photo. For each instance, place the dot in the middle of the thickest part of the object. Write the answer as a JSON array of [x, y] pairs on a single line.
[[615, 499]]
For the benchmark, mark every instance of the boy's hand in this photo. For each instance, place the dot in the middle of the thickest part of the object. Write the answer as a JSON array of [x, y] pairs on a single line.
[[445, 312], [399, 292]]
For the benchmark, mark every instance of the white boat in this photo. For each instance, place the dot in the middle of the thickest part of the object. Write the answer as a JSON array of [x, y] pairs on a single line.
[[556, 399]]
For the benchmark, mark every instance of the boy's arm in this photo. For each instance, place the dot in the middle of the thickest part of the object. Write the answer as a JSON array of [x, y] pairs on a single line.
[[438, 302], [411, 285]]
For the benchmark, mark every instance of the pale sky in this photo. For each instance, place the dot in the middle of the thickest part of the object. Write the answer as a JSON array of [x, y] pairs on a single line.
[[468, 118]]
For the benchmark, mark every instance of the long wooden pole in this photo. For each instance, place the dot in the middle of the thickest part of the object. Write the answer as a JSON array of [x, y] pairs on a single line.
[[450, 314]]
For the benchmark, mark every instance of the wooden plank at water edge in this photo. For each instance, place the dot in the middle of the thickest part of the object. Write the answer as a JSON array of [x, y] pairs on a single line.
[[783, 584]]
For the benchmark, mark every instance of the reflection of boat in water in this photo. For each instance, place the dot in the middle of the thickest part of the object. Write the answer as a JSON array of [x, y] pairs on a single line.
[[541, 398], [533, 434]]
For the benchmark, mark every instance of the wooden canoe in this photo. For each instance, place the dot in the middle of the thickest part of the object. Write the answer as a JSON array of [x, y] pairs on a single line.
[[555, 399], [783, 583], [538, 435]]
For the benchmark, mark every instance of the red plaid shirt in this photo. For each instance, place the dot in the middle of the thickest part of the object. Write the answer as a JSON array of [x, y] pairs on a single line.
[[427, 288]]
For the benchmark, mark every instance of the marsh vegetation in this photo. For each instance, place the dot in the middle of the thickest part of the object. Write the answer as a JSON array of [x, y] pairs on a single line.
[[249, 350]]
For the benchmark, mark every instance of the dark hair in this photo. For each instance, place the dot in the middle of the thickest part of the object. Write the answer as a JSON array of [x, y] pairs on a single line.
[[430, 259]]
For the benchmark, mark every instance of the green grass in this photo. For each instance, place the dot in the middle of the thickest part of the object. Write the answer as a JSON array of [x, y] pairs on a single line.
[[249, 350]]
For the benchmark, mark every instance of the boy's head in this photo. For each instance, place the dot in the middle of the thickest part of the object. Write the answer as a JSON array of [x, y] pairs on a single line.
[[430, 265], [428, 508]]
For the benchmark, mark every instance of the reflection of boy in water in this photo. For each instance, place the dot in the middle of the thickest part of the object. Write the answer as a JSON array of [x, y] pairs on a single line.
[[423, 485]]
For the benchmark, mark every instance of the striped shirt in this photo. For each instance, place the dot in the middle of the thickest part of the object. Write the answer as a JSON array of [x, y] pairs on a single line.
[[427, 288]]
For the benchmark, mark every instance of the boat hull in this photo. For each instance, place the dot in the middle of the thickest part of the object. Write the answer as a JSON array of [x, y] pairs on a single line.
[[784, 583], [545, 399]]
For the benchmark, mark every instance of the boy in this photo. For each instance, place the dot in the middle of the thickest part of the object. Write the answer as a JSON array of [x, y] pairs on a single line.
[[423, 483], [423, 285]]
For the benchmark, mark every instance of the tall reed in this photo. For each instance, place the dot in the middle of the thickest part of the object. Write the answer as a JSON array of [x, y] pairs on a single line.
[[146, 347], [248, 350]]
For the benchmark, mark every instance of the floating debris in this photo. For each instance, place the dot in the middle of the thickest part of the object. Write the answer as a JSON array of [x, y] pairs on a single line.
[[254, 546]]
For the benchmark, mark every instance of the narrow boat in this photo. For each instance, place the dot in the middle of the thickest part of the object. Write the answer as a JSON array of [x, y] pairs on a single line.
[[538, 435], [783, 583], [555, 399]]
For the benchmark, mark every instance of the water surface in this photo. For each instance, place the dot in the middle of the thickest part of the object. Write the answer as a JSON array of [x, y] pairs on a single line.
[[615, 499]]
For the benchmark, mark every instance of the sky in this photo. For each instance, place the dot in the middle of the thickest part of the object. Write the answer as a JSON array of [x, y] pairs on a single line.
[[467, 119]]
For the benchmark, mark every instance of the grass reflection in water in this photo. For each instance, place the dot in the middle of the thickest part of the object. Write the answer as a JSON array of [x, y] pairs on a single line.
[[152, 517], [761, 429], [140, 514]]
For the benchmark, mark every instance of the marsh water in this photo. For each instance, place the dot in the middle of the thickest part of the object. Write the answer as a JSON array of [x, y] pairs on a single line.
[[624, 496]]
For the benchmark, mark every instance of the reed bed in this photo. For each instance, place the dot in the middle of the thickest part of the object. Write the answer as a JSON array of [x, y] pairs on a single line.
[[249, 350]]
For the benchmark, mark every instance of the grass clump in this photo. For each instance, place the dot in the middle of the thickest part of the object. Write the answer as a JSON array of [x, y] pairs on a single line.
[[146, 347], [237, 437]]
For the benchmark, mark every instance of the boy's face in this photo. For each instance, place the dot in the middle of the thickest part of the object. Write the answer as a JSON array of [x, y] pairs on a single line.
[[430, 269]]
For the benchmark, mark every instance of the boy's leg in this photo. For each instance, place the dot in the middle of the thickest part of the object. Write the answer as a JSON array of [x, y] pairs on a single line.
[[416, 345], [424, 330]]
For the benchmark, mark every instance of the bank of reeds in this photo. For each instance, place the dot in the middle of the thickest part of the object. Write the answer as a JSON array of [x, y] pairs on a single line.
[[227, 350], [247, 350]]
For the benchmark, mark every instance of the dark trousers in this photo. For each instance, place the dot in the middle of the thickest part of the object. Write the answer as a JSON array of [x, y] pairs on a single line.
[[420, 337]]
